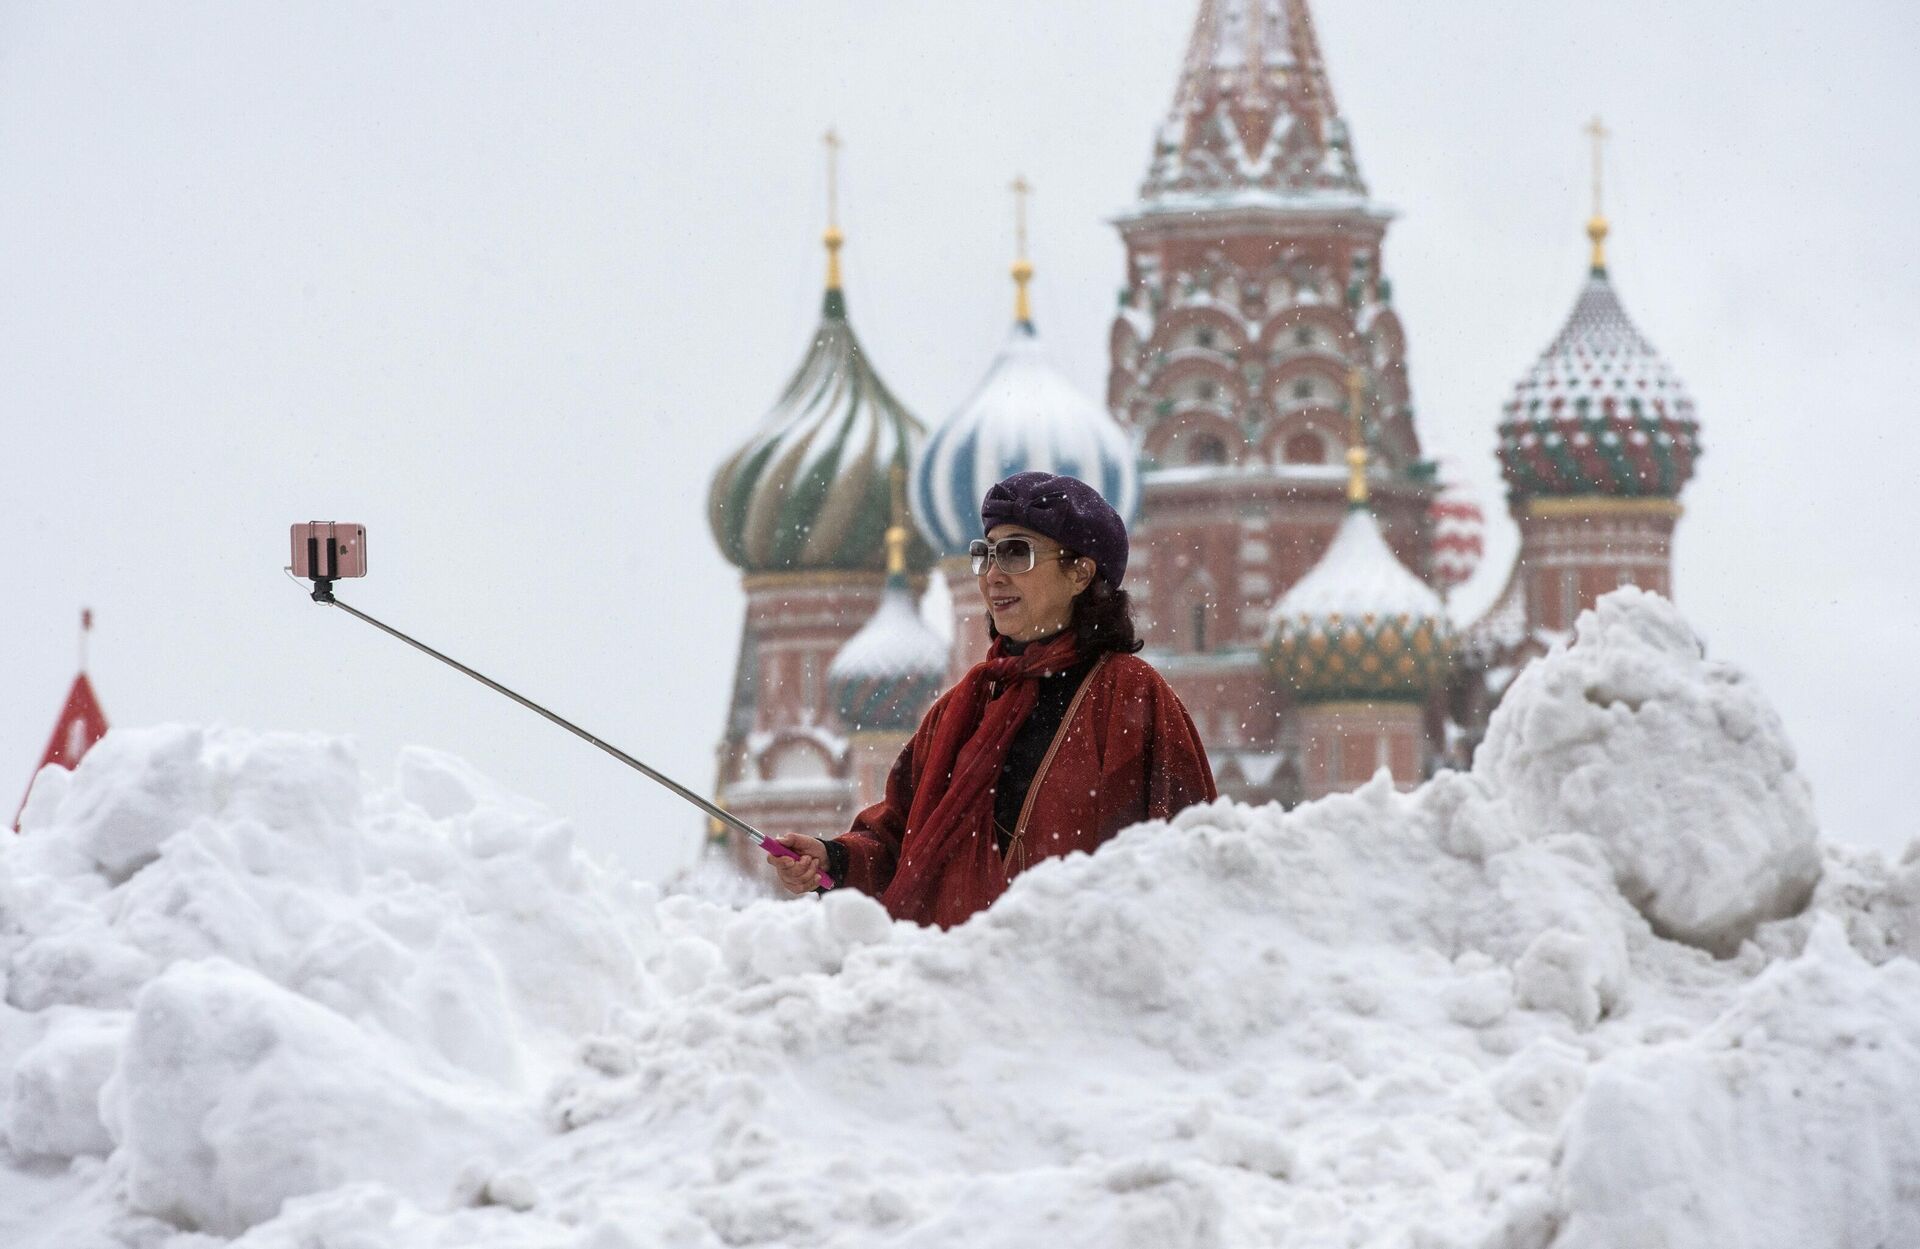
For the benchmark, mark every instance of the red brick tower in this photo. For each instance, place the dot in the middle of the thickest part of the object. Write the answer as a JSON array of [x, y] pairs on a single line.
[[1596, 444], [1254, 284], [802, 509]]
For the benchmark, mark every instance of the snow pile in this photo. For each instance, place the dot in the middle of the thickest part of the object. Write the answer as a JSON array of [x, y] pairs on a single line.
[[1714, 831], [229, 966], [319, 1013]]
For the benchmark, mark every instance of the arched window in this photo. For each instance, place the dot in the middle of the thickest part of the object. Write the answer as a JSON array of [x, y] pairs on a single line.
[[1206, 449], [1305, 447], [1197, 624]]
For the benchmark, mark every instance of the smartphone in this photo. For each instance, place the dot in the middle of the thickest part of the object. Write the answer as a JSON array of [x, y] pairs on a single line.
[[325, 550]]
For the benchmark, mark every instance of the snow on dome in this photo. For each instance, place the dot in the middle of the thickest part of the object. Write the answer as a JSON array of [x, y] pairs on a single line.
[[1359, 575], [811, 488], [1359, 624], [1025, 414], [319, 1010], [1601, 412], [889, 672], [1719, 833], [895, 641]]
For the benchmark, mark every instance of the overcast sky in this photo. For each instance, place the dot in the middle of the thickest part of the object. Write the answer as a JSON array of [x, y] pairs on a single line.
[[506, 282]]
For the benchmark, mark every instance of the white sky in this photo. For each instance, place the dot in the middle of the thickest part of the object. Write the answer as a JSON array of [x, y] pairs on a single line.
[[505, 283]]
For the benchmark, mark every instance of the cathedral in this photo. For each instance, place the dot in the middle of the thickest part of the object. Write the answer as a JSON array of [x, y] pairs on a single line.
[[1293, 540]]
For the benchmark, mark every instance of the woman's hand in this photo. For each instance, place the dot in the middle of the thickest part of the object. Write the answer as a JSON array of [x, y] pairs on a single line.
[[801, 875]]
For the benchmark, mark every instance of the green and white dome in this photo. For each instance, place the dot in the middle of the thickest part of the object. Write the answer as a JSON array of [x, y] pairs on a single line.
[[809, 491]]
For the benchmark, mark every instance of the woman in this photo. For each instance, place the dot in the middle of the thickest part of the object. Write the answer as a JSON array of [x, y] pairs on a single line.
[[1060, 739]]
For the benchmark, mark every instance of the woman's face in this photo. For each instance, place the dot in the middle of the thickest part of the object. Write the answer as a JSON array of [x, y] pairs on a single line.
[[1035, 604]]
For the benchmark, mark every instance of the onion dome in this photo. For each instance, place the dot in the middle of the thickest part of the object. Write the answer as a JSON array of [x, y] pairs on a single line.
[[809, 490], [1025, 414], [887, 674], [1458, 537], [1359, 625], [1601, 413]]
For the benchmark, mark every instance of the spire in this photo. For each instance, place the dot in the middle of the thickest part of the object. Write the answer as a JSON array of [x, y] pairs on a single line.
[[1356, 442], [836, 305], [1597, 224], [86, 627], [1022, 267], [897, 532], [1254, 111]]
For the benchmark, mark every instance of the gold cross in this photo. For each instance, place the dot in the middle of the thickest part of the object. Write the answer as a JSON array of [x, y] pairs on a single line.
[[1600, 134], [1021, 188], [832, 140]]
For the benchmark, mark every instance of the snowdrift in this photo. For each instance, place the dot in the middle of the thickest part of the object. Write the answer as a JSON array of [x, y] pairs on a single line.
[[1605, 990]]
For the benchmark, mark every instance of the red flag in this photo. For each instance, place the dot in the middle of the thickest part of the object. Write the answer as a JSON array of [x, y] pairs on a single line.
[[81, 724]]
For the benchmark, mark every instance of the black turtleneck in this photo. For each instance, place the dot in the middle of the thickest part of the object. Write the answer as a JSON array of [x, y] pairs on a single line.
[[1030, 743]]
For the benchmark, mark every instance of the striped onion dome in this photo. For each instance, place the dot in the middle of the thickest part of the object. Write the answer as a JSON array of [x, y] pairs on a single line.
[[1024, 415], [1359, 625], [1459, 532], [809, 490], [1600, 413], [886, 675]]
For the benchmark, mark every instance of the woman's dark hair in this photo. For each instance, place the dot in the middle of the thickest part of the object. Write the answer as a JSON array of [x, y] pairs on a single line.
[[1102, 617]]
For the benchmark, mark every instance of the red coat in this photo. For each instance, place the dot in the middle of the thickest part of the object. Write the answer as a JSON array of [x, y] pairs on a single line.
[[1126, 752]]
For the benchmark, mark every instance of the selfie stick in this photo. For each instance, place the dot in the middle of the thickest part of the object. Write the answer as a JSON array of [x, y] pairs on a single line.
[[323, 593]]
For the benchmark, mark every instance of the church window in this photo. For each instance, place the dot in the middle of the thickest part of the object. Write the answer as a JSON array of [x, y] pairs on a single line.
[[1305, 447], [1303, 337], [1197, 622], [1303, 389], [1206, 449], [1203, 337]]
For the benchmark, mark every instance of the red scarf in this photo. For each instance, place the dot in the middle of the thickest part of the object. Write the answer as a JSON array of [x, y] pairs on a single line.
[[955, 797]]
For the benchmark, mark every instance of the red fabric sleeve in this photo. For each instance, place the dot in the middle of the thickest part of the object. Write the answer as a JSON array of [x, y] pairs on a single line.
[[1178, 774], [873, 843]]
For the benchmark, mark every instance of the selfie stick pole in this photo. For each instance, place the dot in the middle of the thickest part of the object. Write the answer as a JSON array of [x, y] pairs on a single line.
[[323, 593]]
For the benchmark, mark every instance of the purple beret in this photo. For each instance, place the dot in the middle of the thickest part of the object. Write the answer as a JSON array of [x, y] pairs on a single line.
[[1065, 509]]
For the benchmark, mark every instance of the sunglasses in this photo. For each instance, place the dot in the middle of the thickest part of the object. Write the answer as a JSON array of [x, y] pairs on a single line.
[[1013, 555]]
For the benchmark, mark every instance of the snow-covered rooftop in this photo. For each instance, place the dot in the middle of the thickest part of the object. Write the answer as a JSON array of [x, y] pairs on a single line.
[[1359, 576], [1599, 354], [895, 641]]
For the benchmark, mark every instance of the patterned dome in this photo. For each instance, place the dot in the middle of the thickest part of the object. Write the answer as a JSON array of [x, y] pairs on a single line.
[[1024, 415], [809, 490], [1600, 413], [1458, 536], [1359, 625], [889, 673]]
